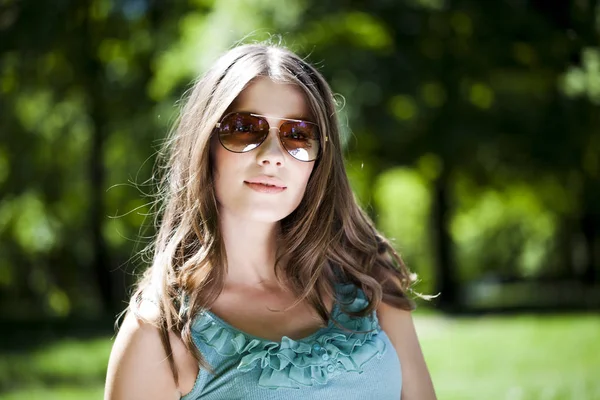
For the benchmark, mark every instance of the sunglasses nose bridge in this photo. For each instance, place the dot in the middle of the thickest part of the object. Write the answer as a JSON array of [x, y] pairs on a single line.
[[266, 149], [278, 135]]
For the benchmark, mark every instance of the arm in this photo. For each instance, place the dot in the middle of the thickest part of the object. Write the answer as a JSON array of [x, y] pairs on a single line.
[[138, 368], [399, 326]]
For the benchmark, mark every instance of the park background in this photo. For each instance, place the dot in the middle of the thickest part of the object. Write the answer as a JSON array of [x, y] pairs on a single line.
[[472, 136]]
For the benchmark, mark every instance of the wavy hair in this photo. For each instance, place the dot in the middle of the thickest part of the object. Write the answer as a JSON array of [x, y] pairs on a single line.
[[328, 238]]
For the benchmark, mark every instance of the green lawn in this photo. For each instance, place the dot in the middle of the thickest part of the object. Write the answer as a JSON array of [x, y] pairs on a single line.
[[523, 357]]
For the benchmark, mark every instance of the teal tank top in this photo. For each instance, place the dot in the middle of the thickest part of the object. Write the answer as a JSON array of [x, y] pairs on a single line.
[[332, 363]]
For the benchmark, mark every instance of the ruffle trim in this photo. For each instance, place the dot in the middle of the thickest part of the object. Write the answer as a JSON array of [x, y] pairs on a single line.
[[304, 362]]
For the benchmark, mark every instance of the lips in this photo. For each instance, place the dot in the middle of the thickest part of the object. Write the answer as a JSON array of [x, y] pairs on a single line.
[[267, 181], [261, 188], [266, 184]]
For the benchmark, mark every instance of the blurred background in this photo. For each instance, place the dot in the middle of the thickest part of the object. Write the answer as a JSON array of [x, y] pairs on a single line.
[[472, 137]]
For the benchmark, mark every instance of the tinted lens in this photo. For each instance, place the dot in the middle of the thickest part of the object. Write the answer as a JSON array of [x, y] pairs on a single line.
[[240, 132], [300, 139]]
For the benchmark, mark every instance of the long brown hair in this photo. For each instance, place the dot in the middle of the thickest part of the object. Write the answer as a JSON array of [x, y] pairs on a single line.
[[328, 237]]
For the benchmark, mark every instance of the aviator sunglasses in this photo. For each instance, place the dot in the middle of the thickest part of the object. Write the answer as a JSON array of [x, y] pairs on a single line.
[[240, 132]]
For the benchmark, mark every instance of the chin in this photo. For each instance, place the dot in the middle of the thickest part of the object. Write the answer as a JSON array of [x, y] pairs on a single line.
[[259, 211], [267, 215]]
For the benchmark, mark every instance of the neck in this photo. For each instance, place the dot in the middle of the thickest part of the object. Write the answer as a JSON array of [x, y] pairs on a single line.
[[251, 249]]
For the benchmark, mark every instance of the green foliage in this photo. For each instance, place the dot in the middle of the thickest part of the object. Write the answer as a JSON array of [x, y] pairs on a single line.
[[584, 80], [508, 232], [206, 33], [403, 201], [499, 94]]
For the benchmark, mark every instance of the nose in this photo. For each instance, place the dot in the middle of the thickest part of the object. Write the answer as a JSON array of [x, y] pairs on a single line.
[[271, 152]]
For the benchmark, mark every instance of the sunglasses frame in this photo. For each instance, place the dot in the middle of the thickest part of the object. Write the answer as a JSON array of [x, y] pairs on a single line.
[[218, 126]]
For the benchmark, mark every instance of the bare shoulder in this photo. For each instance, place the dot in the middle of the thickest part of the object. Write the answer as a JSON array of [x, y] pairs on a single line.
[[399, 327], [138, 367], [387, 313]]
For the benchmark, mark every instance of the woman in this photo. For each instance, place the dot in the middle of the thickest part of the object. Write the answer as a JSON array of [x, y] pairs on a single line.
[[268, 281]]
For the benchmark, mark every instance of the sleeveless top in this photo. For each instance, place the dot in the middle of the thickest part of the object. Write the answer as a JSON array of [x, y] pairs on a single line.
[[332, 363]]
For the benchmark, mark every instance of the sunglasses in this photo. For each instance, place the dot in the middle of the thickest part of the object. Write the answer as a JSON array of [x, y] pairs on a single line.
[[240, 132]]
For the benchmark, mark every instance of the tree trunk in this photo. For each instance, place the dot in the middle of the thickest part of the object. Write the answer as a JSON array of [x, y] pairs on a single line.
[[445, 281], [589, 223], [92, 74]]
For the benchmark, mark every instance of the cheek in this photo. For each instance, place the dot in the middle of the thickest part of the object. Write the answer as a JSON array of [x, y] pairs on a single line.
[[223, 169], [304, 175], [307, 174]]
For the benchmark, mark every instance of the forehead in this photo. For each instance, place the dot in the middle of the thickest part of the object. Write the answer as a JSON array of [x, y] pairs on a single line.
[[267, 97]]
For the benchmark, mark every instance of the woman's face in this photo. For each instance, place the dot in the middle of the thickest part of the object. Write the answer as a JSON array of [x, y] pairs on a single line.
[[235, 172]]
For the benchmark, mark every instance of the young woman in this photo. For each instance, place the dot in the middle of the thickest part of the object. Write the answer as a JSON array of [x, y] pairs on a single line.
[[268, 281]]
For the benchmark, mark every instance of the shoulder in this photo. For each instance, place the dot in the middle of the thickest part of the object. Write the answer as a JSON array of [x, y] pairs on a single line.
[[399, 327], [138, 367]]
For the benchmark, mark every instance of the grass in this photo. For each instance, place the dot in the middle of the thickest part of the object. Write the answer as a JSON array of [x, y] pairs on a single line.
[[491, 357], [523, 357], [64, 369]]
